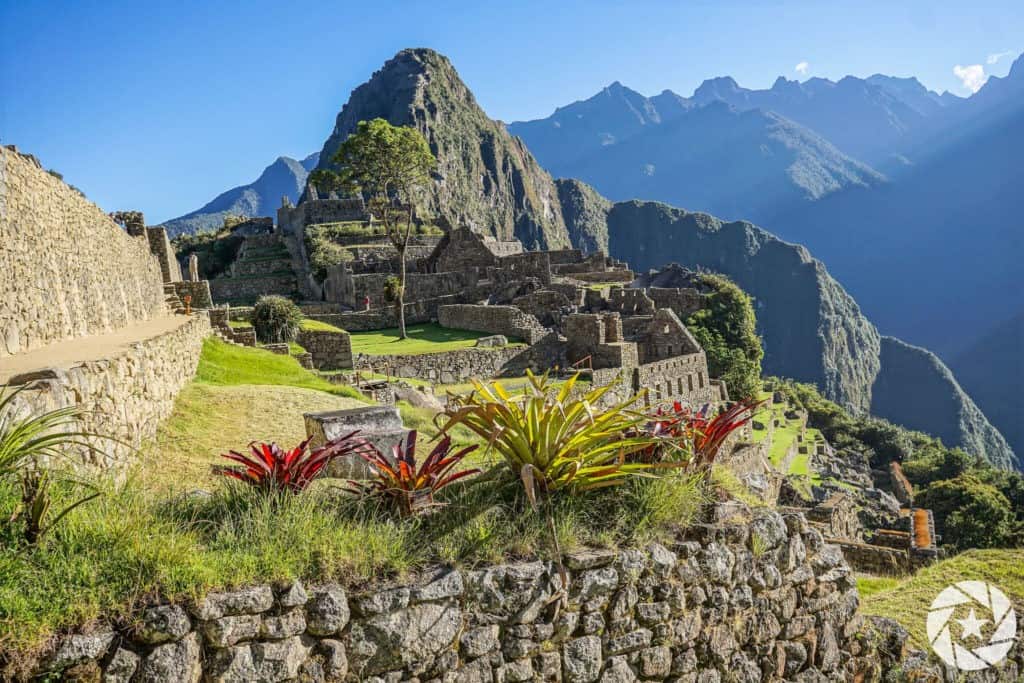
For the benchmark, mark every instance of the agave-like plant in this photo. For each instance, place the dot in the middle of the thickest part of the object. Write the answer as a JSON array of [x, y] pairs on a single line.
[[552, 440], [272, 469], [407, 488], [25, 440]]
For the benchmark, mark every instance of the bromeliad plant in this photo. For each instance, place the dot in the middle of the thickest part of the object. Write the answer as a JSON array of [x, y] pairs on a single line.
[[552, 441], [400, 484], [274, 470], [697, 432]]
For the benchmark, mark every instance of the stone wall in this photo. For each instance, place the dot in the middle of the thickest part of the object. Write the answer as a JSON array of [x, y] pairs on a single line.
[[684, 302], [251, 288], [683, 378], [125, 395], [387, 317], [448, 367], [344, 287], [199, 291], [66, 269], [758, 597], [330, 350], [161, 248], [506, 320]]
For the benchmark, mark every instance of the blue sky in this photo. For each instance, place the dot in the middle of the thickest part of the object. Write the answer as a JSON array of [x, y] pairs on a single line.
[[160, 106]]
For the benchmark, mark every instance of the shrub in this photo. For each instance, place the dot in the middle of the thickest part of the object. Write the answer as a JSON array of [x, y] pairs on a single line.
[[552, 442], [726, 328], [276, 319], [392, 289], [273, 470], [215, 250], [970, 513], [325, 256], [402, 486]]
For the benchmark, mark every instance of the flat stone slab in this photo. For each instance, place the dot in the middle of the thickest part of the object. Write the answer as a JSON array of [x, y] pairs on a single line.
[[380, 425]]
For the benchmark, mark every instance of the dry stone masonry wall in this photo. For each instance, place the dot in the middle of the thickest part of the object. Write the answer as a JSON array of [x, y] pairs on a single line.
[[125, 395], [66, 269], [755, 599], [448, 367]]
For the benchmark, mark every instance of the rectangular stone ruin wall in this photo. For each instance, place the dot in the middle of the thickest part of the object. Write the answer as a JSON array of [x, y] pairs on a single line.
[[521, 266], [683, 378], [66, 269], [199, 291], [416, 312], [418, 287], [160, 247], [251, 288], [125, 396], [627, 302], [506, 320], [875, 559], [330, 350], [449, 367], [684, 302], [759, 598], [563, 256]]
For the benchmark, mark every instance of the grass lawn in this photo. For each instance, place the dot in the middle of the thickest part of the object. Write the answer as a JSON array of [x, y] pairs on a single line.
[[227, 365], [209, 420], [318, 326], [907, 600], [427, 338], [240, 325]]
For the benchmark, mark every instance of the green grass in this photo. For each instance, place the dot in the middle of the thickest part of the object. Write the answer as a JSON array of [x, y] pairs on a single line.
[[427, 338], [239, 325], [227, 364], [907, 600], [869, 585], [318, 326], [295, 348]]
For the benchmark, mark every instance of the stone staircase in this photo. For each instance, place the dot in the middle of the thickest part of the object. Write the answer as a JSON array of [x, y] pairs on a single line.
[[223, 330], [174, 303]]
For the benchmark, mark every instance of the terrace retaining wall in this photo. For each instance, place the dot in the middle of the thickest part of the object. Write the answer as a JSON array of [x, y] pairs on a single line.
[[125, 396], [703, 608]]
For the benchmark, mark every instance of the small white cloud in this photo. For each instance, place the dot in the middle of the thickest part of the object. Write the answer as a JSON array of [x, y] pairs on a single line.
[[972, 77], [995, 57], [802, 68]]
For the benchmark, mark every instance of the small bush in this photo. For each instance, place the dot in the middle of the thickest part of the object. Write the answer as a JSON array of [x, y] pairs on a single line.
[[276, 320], [325, 256]]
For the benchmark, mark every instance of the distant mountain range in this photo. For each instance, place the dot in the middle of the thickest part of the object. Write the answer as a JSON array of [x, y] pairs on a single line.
[[932, 250], [262, 197]]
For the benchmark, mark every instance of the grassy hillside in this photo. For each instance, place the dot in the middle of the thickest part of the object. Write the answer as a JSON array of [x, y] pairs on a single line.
[[907, 601]]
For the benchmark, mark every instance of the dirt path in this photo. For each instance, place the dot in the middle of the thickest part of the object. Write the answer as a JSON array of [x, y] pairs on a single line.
[[70, 352]]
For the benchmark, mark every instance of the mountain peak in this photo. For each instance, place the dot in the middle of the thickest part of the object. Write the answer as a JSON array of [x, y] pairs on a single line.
[[491, 181], [721, 87]]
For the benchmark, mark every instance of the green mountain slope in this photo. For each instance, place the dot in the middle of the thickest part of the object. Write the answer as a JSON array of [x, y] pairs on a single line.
[[486, 178]]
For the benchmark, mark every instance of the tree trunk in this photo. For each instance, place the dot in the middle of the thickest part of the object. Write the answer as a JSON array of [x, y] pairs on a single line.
[[401, 293]]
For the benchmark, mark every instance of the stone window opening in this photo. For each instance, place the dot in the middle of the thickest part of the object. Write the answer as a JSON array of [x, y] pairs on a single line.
[[700, 379], [689, 381]]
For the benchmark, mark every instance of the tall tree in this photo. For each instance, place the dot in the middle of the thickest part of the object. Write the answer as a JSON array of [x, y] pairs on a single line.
[[391, 167]]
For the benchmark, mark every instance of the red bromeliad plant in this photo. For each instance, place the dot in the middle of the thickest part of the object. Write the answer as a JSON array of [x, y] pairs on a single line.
[[272, 469], [696, 432], [397, 480]]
